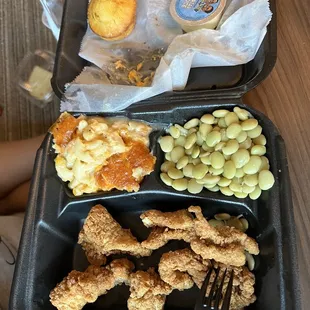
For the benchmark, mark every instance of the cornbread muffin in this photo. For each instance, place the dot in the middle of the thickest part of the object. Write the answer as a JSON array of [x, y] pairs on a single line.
[[112, 19]]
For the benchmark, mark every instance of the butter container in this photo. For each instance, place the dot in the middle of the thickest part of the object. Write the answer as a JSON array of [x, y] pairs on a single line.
[[34, 76], [197, 14]]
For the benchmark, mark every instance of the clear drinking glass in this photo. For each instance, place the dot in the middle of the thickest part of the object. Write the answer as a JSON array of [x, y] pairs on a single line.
[[54, 9], [34, 77]]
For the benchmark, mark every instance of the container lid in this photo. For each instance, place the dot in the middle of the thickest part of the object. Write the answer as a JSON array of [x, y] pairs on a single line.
[[196, 12], [219, 82]]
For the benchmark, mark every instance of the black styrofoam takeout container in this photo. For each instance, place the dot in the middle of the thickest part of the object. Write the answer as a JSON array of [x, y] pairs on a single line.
[[49, 250]]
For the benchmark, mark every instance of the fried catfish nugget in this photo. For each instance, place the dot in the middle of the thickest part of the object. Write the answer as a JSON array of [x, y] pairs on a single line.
[[101, 236], [243, 285], [160, 236], [80, 288], [167, 226], [182, 268], [180, 219], [147, 291], [223, 244]]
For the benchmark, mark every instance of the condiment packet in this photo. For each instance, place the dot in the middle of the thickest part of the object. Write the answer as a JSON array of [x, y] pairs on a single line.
[[236, 41]]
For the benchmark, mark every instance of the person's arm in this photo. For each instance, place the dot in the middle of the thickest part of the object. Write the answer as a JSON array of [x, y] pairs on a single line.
[[16, 163], [16, 200]]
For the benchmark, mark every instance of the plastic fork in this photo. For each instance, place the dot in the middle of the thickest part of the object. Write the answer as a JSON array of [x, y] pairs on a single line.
[[212, 301]]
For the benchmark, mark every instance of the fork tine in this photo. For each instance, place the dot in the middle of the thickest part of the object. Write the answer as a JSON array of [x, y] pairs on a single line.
[[202, 293], [219, 292], [211, 293], [226, 301]]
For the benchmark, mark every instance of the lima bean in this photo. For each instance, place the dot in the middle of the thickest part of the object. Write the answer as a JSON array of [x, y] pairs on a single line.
[[188, 170], [215, 223], [249, 124], [265, 180], [247, 189], [200, 140], [242, 136], [220, 113], [193, 187], [180, 185], [207, 148], [222, 216], [242, 113], [192, 130], [256, 193], [235, 222], [168, 156], [191, 123], [174, 132], [251, 180], [177, 153], [237, 180], [165, 178], [182, 162], [256, 132], [166, 144], [233, 130], [231, 118], [206, 160], [221, 123], [265, 164], [246, 144], [180, 141], [195, 151], [240, 194], [219, 146], [208, 119], [240, 158], [229, 169], [226, 191], [190, 140], [183, 131], [213, 188], [213, 138], [239, 173], [245, 224], [196, 161], [189, 151], [204, 154], [200, 171], [208, 186], [250, 261], [224, 137], [214, 171], [209, 179], [227, 157], [231, 147], [204, 129], [235, 187], [217, 160], [223, 182], [258, 150], [166, 166], [175, 174], [260, 140], [252, 167]]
